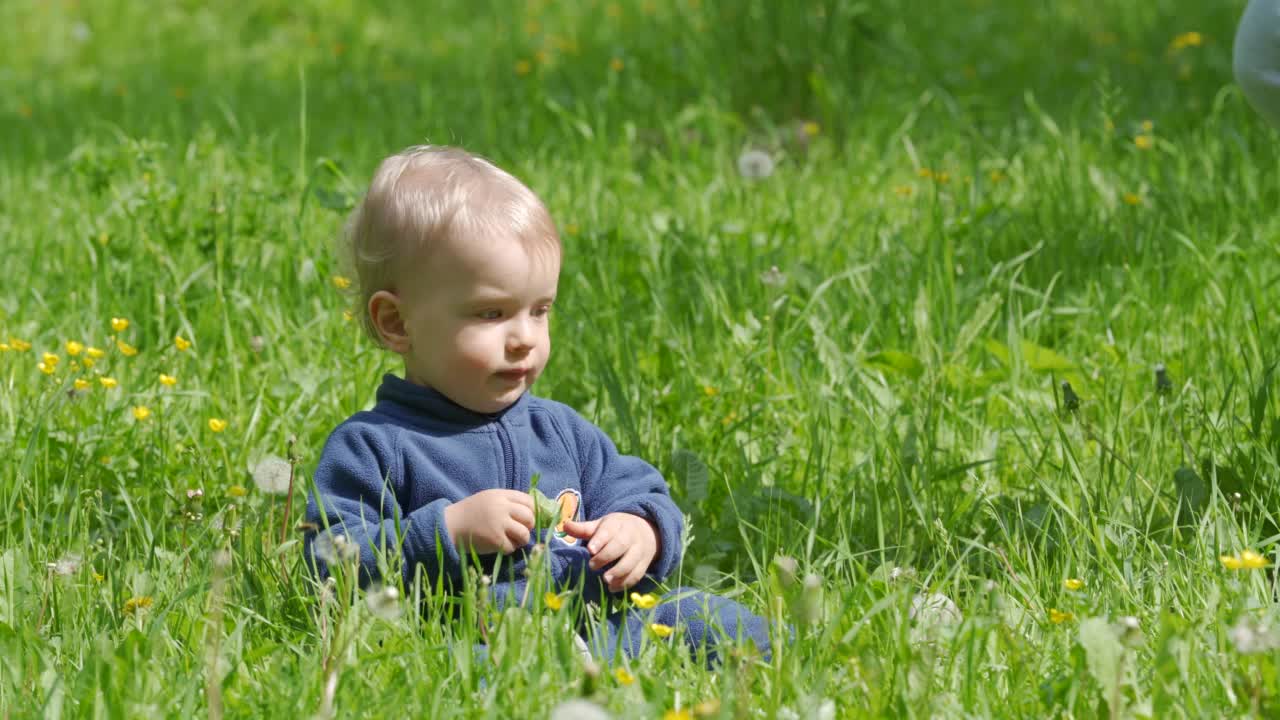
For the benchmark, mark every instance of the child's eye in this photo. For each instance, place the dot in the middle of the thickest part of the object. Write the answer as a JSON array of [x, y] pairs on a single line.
[[542, 311], [489, 314]]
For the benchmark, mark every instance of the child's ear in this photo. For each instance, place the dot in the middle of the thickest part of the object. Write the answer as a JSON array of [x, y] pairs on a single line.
[[384, 309]]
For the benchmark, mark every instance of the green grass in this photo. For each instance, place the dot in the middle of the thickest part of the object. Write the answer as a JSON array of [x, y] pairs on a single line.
[[885, 407]]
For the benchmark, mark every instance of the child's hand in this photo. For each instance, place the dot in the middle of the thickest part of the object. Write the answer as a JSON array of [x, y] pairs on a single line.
[[629, 539], [490, 521]]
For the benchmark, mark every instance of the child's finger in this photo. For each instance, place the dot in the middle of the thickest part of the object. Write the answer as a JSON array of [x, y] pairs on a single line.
[[517, 534], [607, 553], [618, 575], [638, 565], [600, 538], [522, 515], [581, 530]]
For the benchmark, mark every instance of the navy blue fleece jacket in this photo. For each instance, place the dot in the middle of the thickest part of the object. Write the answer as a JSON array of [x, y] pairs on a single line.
[[387, 474]]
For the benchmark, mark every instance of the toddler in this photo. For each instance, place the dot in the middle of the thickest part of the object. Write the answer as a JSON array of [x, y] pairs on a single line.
[[458, 264]]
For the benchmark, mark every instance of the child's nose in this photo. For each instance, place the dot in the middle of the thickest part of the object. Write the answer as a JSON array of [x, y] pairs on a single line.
[[521, 335]]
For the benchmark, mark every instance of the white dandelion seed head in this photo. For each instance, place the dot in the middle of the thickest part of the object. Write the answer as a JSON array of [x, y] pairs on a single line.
[[773, 277], [578, 709], [755, 165], [66, 565], [1250, 637], [333, 549], [383, 602], [271, 475], [934, 609]]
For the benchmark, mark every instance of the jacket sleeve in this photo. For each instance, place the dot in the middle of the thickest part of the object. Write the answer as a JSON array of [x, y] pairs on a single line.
[[1257, 57], [613, 482], [356, 496]]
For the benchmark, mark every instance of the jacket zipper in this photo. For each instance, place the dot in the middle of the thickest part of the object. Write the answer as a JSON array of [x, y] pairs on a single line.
[[508, 455]]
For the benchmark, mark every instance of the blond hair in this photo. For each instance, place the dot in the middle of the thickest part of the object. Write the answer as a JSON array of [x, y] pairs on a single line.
[[427, 194]]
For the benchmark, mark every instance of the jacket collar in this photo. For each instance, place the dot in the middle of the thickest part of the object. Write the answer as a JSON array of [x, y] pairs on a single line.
[[429, 403]]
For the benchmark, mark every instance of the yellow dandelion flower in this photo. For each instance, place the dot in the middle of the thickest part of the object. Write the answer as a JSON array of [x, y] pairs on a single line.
[[707, 708], [46, 368], [996, 176], [119, 324], [347, 316], [94, 352], [237, 491], [1057, 617], [616, 64], [181, 343], [217, 424], [126, 349], [811, 128], [1251, 560], [523, 67], [141, 412], [168, 380], [645, 601], [1185, 40], [81, 384], [50, 359], [1231, 562], [677, 715], [90, 362], [942, 178], [1144, 142], [662, 631], [5, 347], [99, 577], [135, 604], [1131, 198], [107, 382], [19, 344], [1148, 126], [553, 601], [708, 390], [623, 676], [1073, 583], [74, 348], [341, 282], [903, 190]]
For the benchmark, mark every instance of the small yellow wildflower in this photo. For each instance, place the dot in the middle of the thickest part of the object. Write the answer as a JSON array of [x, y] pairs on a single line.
[[1144, 142], [572, 229], [709, 391], [707, 708], [1073, 583], [1252, 560], [1131, 198], [168, 380], [134, 604], [5, 347], [1148, 126], [523, 67], [217, 424], [126, 349], [99, 577], [996, 176], [645, 601], [141, 412], [811, 128], [623, 676], [1057, 617], [925, 173], [903, 190], [347, 316], [81, 384], [107, 382], [341, 282], [237, 491], [1185, 40], [616, 64], [46, 368], [19, 345], [181, 343], [677, 715], [74, 348], [50, 359], [662, 631], [553, 601], [119, 324], [94, 352]]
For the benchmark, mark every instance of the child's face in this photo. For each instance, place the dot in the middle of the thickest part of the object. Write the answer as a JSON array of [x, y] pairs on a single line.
[[477, 321]]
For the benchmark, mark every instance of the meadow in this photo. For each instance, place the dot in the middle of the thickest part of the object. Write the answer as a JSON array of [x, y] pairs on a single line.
[[953, 327]]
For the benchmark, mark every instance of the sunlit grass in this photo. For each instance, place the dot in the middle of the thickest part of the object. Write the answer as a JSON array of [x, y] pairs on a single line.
[[846, 350]]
